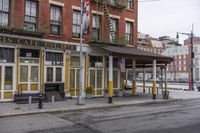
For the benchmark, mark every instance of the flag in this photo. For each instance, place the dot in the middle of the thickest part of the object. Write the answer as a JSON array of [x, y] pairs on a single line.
[[86, 17], [122, 65]]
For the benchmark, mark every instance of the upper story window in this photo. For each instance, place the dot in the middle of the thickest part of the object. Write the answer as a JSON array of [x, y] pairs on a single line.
[[128, 33], [130, 4], [55, 24], [96, 27], [76, 28], [114, 23], [4, 12], [30, 21]]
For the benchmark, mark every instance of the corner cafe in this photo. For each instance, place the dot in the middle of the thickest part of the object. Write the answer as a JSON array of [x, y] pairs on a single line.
[[31, 65]]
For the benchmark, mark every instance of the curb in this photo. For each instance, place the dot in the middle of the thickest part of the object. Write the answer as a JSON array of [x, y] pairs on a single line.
[[87, 108]]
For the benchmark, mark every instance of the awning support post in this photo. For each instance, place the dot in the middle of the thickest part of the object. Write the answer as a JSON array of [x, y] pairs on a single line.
[[110, 81], [154, 79], [134, 79], [144, 83]]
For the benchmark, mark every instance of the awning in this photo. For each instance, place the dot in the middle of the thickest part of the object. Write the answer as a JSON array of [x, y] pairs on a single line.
[[141, 57]]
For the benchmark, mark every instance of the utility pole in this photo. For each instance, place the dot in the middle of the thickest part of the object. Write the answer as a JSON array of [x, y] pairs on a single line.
[[80, 98], [191, 35]]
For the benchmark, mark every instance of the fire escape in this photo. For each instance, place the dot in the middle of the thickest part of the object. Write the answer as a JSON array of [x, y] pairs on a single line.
[[104, 6]]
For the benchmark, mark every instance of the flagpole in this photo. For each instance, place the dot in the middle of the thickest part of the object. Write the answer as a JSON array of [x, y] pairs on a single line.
[[80, 98]]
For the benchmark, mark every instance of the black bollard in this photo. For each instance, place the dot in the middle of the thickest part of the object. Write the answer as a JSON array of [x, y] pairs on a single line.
[[40, 102]]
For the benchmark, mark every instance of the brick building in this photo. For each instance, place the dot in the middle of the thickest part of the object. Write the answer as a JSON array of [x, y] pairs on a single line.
[[39, 46]]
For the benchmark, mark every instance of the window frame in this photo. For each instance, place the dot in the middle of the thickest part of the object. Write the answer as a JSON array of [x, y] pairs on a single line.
[[129, 36], [26, 23], [5, 13], [55, 23], [96, 28], [77, 24]]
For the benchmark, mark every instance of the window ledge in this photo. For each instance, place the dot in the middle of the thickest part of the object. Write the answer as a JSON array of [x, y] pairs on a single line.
[[131, 10], [58, 36], [76, 39]]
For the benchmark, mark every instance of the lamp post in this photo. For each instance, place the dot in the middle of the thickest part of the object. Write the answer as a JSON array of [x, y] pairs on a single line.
[[191, 35]]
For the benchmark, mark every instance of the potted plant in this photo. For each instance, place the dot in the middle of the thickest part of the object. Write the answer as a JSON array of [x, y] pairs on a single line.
[[105, 92], [119, 93], [88, 91]]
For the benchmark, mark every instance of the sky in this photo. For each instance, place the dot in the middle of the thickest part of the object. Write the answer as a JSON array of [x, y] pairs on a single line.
[[167, 17]]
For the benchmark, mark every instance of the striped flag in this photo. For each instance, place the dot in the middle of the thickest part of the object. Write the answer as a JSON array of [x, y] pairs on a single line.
[[86, 17], [122, 67]]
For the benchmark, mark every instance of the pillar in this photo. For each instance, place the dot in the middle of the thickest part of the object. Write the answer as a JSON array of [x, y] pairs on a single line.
[[110, 81], [144, 83], [42, 71], [17, 70], [165, 79], [86, 69], [134, 79], [67, 74], [154, 79]]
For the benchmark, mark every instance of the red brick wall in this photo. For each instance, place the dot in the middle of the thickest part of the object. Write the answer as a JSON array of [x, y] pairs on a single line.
[[67, 12]]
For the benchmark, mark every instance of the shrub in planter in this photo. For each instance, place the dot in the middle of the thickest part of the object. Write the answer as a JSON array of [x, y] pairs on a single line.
[[105, 92], [88, 91]]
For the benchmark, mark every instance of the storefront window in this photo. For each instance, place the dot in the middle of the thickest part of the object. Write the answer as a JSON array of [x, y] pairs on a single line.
[[8, 78], [54, 58], [49, 74], [96, 61], [75, 61], [72, 78], [29, 56], [34, 73], [115, 79], [92, 78], [6, 55], [99, 78], [23, 73], [58, 74]]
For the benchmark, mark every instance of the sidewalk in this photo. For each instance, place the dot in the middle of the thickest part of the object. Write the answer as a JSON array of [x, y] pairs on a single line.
[[13, 109]]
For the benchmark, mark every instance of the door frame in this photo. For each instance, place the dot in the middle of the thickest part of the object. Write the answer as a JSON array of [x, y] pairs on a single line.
[[29, 65], [2, 67]]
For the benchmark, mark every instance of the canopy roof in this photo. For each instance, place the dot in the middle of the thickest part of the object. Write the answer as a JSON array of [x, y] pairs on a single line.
[[141, 57]]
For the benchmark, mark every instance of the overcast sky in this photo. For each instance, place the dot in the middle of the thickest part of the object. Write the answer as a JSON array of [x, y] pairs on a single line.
[[166, 17]]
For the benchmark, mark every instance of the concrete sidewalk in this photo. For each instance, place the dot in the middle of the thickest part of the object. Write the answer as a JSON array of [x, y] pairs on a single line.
[[13, 109]]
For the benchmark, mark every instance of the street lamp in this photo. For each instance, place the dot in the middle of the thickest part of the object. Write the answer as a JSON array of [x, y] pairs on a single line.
[[191, 35]]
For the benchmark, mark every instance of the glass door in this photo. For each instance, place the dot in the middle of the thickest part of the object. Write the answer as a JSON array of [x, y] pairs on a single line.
[[29, 77], [6, 82]]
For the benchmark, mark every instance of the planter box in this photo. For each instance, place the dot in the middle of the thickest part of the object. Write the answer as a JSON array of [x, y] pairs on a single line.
[[105, 94], [88, 95], [119, 93]]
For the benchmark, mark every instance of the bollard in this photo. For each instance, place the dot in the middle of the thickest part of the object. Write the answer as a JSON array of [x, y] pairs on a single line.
[[53, 100], [40, 102], [157, 91], [29, 102]]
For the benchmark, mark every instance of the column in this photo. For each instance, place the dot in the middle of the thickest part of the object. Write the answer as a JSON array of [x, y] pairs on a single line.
[[134, 79], [17, 70], [110, 81], [42, 71], [154, 80], [105, 73], [165, 79], [67, 75], [144, 83], [86, 70]]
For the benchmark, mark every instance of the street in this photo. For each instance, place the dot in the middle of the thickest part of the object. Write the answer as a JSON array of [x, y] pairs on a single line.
[[180, 116]]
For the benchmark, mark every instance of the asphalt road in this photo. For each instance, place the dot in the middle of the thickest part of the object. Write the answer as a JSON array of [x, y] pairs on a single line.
[[173, 117]]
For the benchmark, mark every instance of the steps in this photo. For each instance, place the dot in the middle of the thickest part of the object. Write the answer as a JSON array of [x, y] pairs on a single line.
[[56, 94], [23, 98]]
